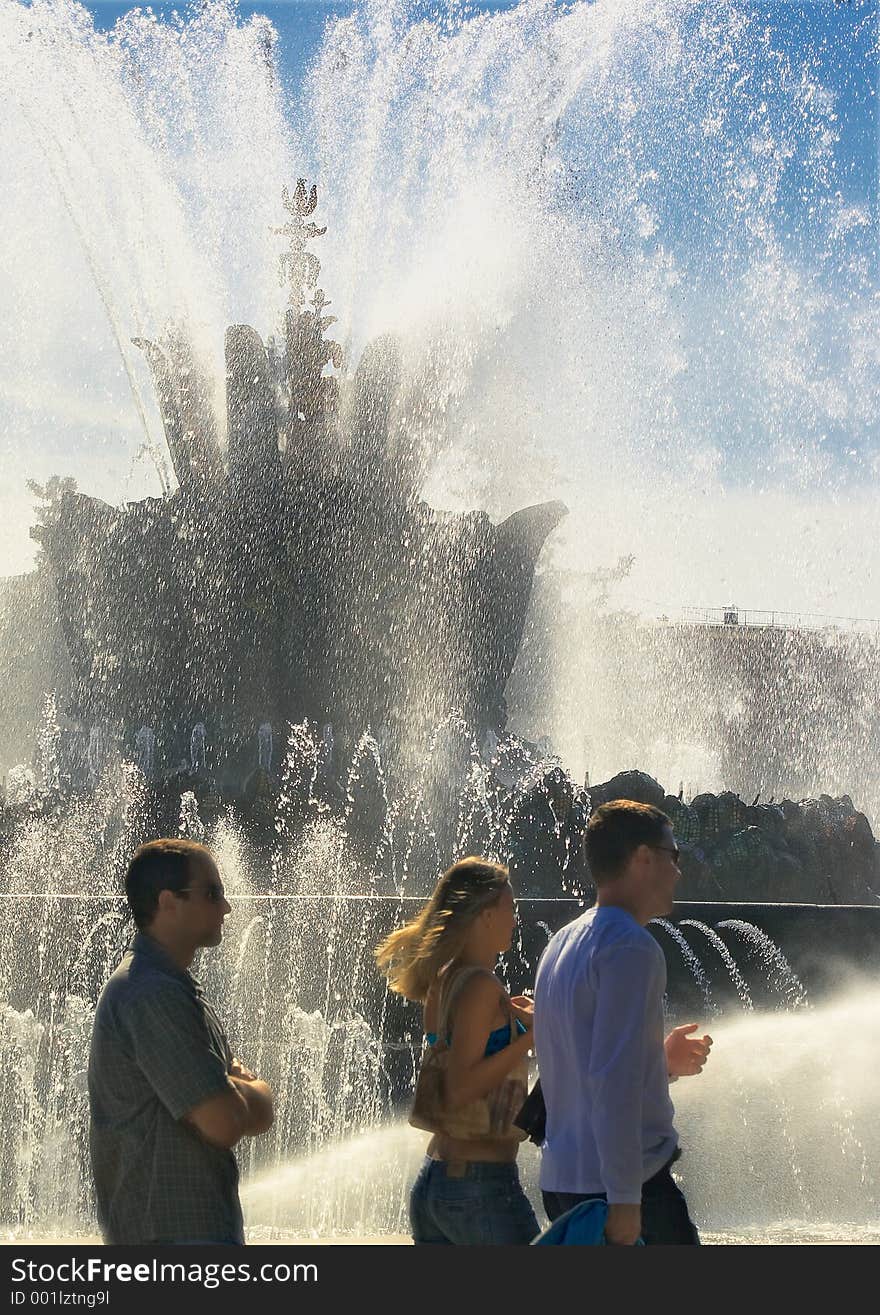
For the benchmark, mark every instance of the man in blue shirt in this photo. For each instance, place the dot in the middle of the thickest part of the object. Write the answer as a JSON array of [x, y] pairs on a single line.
[[168, 1102], [605, 1066]]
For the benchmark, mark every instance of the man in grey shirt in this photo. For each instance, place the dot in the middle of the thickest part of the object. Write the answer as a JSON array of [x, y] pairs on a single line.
[[605, 1066], [167, 1100]]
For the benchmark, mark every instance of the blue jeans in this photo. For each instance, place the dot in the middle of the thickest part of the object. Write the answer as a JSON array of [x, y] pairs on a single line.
[[471, 1203], [665, 1218]]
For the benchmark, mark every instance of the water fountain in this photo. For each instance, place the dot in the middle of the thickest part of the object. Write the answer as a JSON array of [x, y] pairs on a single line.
[[191, 630], [294, 981]]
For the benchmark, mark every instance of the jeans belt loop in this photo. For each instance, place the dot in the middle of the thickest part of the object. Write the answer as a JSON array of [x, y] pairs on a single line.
[[456, 1168]]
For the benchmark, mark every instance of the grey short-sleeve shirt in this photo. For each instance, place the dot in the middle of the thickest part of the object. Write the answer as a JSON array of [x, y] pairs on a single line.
[[158, 1050]]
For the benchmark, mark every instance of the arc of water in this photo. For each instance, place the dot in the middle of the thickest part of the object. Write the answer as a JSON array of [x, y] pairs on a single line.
[[692, 960], [718, 944], [790, 986]]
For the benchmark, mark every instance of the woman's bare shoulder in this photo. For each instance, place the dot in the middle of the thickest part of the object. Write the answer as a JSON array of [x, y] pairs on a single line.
[[482, 988]]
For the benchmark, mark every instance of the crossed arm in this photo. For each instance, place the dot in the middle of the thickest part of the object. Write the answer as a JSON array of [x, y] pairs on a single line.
[[181, 1060], [245, 1110]]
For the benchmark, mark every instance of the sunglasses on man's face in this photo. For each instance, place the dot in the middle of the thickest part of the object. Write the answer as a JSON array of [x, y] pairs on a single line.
[[213, 893]]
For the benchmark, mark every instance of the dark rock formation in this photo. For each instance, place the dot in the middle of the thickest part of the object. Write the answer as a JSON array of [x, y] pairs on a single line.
[[819, 851]]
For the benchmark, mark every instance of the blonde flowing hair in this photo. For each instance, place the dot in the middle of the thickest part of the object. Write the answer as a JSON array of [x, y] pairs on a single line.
[[412, 956]]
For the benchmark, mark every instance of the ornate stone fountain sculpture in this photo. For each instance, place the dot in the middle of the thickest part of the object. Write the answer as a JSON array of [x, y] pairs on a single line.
[[294, 571]]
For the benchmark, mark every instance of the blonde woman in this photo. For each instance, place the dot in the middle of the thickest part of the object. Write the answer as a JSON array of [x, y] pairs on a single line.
[[468, 1190]]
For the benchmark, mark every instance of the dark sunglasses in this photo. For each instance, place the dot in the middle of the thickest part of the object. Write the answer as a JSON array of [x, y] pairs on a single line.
[[213, 894], [674, 851]]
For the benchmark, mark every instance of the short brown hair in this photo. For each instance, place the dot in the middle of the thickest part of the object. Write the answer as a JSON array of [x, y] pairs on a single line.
[[156, 866], [615, 832]]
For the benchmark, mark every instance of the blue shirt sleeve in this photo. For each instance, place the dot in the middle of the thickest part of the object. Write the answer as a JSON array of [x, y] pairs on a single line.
[[629, 992]]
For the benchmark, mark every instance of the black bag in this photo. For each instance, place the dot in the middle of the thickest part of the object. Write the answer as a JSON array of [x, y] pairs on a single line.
[[532, 1117]]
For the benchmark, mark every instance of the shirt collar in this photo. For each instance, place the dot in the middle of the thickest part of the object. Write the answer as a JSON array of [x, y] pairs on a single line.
[[144, 944]]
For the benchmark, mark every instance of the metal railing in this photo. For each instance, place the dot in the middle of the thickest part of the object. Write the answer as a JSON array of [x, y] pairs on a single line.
[[737, 616]]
